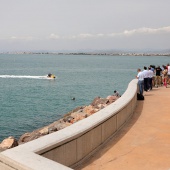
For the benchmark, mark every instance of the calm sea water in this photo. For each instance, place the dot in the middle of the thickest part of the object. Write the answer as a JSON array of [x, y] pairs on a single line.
[[29, 101]]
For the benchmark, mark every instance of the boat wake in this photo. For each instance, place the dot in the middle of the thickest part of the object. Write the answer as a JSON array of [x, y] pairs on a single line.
[[24, 77]]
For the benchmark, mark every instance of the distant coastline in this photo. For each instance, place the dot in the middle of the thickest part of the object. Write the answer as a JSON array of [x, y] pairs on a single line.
[[94, 53]]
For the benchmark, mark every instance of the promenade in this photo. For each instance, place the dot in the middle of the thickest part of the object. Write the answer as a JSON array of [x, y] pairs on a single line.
[[143, 143]]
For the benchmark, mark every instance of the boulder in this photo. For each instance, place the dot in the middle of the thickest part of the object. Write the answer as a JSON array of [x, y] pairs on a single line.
[[44, 131], [78, 116], [98, 101], [60, 126], [8, 143], [68, 119], [54, 126], [89, 110], [29, 137], [93, 103], [112, 98], [78, 109], [101, 106], [52, 129], [35, 135], [75, 114], [24, 138]]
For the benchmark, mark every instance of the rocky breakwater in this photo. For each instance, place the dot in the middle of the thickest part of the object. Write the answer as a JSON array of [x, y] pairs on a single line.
[[73, 116]]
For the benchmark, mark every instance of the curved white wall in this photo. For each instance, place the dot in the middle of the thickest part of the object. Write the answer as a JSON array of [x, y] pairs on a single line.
[[71, 145]]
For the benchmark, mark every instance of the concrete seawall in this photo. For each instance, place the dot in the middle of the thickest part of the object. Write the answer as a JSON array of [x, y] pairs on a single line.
[[70, 146]]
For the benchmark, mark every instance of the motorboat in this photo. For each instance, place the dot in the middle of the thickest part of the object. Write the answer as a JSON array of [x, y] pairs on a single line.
[[52, 76]]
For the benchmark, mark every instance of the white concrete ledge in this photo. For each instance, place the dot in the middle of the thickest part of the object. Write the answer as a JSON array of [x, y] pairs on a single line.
[[67, 147]]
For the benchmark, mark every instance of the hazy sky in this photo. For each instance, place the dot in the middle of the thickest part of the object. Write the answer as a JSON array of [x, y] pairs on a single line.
[[84, 25]]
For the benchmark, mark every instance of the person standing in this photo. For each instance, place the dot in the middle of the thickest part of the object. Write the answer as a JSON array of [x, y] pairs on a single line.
[[150, 74], [154, 75], [158, 76], [140, 77], [168, 67], [145, 73], [165, 75]]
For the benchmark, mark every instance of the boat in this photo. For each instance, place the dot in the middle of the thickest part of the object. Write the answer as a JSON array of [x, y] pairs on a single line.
[[52, 76]]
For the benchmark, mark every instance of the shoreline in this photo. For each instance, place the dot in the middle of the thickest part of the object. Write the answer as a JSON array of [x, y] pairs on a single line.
[[68, 119], [94, 53]]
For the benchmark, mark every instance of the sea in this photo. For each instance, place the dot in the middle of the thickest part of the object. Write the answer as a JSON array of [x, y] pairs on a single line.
[[29, 100]]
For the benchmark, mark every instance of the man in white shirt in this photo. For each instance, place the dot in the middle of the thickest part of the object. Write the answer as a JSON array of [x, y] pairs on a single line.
[[168, 67], [140, 78], [146, 76], [150, 74]]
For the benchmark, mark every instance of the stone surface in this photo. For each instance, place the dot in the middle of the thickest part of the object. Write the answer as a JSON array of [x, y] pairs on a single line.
[[29, 137], [8, 143], [112, 98], [89, 110], [44, 131], [98, 101]]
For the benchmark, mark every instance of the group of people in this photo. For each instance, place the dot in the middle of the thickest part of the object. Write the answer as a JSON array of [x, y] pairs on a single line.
[[153, 77]]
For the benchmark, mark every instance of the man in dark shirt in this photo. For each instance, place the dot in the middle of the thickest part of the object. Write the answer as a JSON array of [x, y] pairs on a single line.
[[158, 76]]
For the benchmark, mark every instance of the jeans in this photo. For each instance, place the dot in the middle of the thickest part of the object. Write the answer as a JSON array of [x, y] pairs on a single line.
[[141, 86], [146, 84]]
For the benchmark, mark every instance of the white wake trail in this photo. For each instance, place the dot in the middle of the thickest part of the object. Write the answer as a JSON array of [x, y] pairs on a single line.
[[24, 77]]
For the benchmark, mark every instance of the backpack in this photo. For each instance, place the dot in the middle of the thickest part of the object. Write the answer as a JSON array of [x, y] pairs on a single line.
[[140, 97]]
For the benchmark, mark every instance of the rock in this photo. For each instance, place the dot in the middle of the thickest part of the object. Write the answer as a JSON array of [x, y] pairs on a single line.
[[112, 98], [44, 131], [8, 143], [78, 109], [89, 110], [68, 124], [52, 129], [34, 135], [95, 101], [58, 125], [75, 114], [78, 116], [62, 126], [101, 106], [2, 149], [24, 138], [68, 119], [29, 136], [98, 101]]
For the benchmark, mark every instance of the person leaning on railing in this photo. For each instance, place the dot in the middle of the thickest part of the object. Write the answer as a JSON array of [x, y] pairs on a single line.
[[140, 77]]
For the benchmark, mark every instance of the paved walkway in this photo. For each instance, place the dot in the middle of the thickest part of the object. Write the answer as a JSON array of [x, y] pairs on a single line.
[[144, 142]]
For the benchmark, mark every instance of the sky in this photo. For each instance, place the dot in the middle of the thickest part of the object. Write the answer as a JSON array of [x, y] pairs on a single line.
[[84, 25]]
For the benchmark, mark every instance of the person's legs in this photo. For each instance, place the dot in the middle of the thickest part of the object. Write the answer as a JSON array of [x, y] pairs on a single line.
[[150, 83], [145, 84], [168, 80], [153, 81], [156, 81], [165, 81], [141, 86], [159, 80]]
